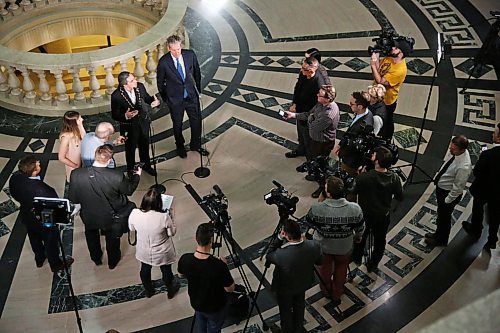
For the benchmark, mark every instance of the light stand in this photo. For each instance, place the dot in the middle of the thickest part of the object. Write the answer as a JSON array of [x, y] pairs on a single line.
[[486, 53], [50, 211], [441, 52], [147, 111], [202, 171]]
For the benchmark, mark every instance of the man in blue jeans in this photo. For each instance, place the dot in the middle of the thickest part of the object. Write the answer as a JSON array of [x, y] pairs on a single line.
[[208, 281]]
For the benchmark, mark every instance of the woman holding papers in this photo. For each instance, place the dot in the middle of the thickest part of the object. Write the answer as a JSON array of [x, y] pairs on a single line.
[[155, 246]]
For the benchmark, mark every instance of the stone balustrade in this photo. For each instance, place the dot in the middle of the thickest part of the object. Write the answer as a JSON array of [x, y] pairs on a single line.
[[51, 84]]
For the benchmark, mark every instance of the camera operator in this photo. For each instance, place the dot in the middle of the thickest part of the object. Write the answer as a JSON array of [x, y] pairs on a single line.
[[376, 189], [208, 281], [361, 124], [293, 274], [336, 223], [450, 183], [391, 72], [486, 173], [95, 189], [322, 121], [304, 99], [377, 107], [24, 186]]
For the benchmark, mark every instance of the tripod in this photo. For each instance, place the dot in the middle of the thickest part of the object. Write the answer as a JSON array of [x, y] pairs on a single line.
[[283, 213], [224, 235], [70, 285], [201, 172], [486, 53], [414, 165], [148, 110]]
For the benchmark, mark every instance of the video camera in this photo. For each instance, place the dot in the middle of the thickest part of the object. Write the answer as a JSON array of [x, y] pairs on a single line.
[[279, 196], [363, 145], [321, 169], [216, 207], [386, 41], [50, 211]]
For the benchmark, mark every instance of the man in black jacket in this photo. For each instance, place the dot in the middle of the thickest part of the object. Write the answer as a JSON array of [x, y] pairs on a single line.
[[95, 195], [24, 185], [293, 274], [484, 191], [128, 107]]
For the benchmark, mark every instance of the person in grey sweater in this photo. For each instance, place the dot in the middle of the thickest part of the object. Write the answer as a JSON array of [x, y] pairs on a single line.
[[337, 223]]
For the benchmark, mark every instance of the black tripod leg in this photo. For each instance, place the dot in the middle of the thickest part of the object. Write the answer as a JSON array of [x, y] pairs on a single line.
[[273, 236], [476, 63], [254, 303], [70, 285]]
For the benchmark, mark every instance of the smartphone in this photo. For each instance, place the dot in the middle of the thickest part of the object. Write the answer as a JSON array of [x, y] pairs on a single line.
[[282, 113], [484, 147]]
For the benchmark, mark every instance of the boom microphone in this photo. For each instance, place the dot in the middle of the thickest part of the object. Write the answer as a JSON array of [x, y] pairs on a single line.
[[218, 191], [277, 184]]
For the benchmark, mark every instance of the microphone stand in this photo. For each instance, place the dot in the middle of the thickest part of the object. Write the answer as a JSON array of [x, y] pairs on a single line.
[[201, 172], [147, 109]]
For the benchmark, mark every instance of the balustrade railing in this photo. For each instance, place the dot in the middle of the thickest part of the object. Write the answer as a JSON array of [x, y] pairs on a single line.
[[83, 81]]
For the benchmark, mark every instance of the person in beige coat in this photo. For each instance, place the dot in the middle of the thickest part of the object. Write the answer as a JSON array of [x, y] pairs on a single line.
[[155, 246]]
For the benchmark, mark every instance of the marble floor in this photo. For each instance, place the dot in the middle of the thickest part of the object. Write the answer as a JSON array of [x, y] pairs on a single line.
[[249, 52]]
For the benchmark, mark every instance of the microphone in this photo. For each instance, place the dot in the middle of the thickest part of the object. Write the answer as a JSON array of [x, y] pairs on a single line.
[[277, 184], [191, 78], [495, 13], [218, 191]]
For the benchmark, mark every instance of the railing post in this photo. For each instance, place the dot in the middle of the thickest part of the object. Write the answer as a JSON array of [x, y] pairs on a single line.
[[3, 11], [28, 87], [43, 86], [95, 95], [13, 6], [4, 86], [77, 86], [138, 71], [13, 82], [151, 66], [62, 97], [109, 81], [123, 66]]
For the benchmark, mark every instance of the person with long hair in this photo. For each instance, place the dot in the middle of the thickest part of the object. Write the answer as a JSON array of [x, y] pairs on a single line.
[[72, 132], [155, 246]]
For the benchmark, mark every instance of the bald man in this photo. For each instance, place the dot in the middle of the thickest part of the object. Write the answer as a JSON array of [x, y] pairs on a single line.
[[102, 135]]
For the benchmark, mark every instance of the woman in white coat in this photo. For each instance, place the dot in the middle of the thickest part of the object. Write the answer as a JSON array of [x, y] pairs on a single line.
[[155, 246]]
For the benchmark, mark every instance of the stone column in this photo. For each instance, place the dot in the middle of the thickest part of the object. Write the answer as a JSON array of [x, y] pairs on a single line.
[[109, 81], [3, 11], [160, 51], [138, 71], [95, 95], [13, 6], [77, 86], [151, 66], [62, 97], [123, 65], [28, 87], [14, 83], [43, 86]]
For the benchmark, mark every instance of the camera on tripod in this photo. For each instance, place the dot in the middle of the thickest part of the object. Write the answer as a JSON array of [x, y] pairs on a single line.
[[50, 211], [364, 144], [387, 40], [280, 197], [216, 205], [321, 169]]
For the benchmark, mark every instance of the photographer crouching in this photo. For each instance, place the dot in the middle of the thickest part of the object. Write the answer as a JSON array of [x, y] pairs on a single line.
[[337, 223]]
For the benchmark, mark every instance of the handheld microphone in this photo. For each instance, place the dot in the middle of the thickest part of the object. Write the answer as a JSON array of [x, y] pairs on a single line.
[[277, 184]]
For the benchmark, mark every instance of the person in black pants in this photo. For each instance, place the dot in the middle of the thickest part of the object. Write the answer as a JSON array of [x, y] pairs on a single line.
[[376, 189], [484, 192], [95, 189], [293, 274], [127, 107], [24, 185], [179, 83]]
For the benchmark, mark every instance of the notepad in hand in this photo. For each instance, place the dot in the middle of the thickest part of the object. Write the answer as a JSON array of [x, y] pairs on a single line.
[[166, 201]]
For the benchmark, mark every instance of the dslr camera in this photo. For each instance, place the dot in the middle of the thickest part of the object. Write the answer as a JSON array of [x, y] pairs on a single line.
[[386, 41]]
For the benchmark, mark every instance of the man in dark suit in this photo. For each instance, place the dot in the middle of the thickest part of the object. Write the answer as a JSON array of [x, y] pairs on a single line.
[[179, 84], [95, 189], [293, 274], [24, 185], [128, 107], [484, 189]]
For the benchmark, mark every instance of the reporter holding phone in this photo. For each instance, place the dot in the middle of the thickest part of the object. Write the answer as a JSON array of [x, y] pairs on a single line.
[[155, 246], [322, 122]]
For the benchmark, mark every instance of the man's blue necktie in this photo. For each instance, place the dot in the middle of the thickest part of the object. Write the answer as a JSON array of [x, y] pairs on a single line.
[[181, 73]]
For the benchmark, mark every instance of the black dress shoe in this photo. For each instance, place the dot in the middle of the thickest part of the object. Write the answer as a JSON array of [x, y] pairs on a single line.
[[113, 265], [311, 178], [97, 262], [149, 170], [292, 154], [370, 267], [302, 167], [435, 242], [430, 235], [40, 263], [181, 152], [470, 230], [202, 151]]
